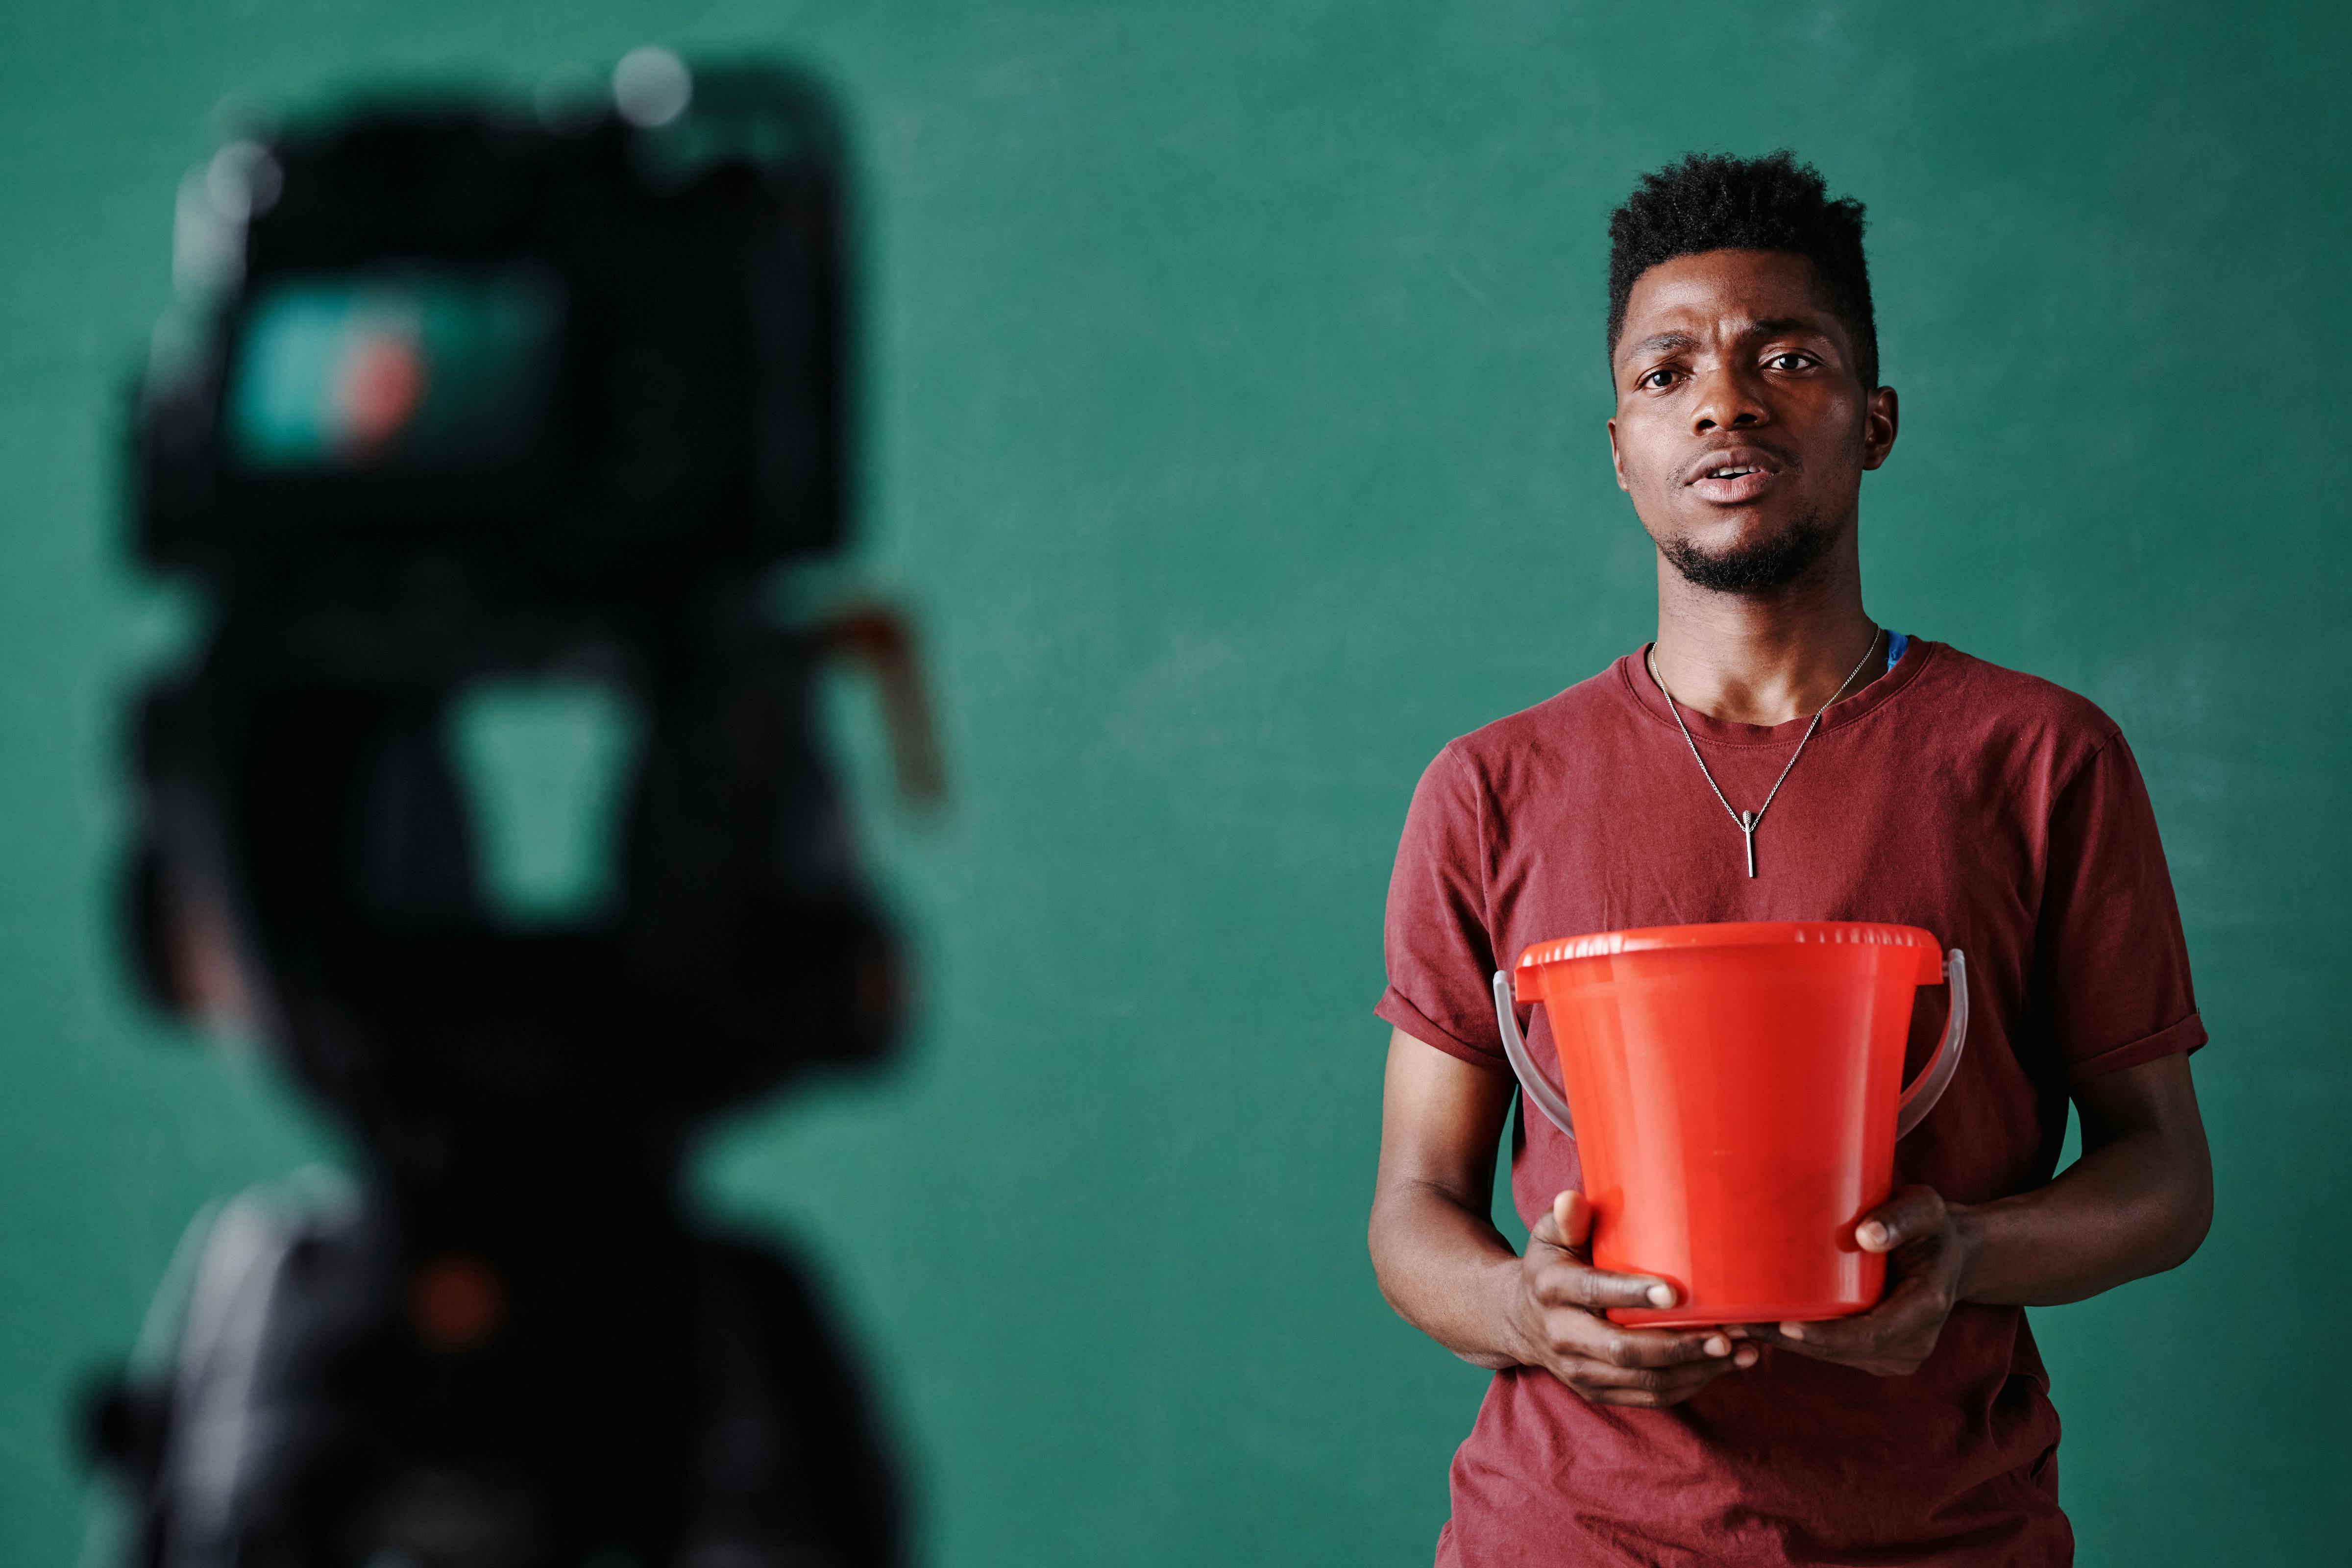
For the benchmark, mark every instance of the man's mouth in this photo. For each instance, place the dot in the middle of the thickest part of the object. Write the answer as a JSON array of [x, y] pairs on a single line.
[[1735, 476]]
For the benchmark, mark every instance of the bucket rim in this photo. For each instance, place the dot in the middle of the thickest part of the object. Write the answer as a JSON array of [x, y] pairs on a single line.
[[1727, 934]]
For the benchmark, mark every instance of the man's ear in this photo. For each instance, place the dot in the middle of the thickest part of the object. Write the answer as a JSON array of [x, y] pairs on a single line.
[[1881, 418], [1617, 458]]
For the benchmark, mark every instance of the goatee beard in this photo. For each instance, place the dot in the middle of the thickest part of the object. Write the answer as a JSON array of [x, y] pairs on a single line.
[[1757, 568]]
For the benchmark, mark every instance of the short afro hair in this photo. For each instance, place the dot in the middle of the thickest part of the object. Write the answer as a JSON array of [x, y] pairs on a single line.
[[1711, 202]]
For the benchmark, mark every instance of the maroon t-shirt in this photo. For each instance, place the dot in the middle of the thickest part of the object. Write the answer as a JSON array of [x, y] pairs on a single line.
[[1996, 810]]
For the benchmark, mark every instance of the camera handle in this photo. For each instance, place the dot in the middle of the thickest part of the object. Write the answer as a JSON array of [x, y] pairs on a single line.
[[879, 638]]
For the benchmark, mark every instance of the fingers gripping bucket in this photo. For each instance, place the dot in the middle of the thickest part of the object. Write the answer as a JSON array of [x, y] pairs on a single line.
[[1735, 1094]]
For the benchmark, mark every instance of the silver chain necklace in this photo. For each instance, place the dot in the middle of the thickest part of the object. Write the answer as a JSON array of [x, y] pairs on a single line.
[[1749, 821]]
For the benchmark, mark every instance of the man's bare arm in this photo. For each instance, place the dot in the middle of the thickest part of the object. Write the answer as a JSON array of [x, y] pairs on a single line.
[[2137, 1201], [1440, 1260]]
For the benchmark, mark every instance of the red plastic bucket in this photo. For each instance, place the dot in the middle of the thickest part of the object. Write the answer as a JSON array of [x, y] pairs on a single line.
[[1735, 1095]]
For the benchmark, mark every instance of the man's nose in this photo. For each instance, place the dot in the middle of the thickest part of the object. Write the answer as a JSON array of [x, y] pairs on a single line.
[[1728, 401]]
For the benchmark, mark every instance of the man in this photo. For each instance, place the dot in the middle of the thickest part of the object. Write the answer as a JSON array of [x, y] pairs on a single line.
[[1994, 809]]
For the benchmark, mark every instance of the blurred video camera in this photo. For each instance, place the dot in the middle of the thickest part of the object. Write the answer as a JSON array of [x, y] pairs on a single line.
[[494, 802]]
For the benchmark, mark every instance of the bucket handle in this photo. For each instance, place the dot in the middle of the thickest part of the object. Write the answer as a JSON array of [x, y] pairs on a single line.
[[1910, 1110], [1532, 1083], [1936, 1076]]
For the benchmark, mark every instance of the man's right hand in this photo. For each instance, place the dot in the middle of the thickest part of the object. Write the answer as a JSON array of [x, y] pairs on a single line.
[[1557, 1301], [1444, 1267]]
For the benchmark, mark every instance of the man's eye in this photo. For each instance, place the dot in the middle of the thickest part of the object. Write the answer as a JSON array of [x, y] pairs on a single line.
[[1656, 378], [1791, 360]]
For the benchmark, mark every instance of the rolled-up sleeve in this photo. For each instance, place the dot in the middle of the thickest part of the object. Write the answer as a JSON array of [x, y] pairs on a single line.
[[2112, 965], [1439, 950]]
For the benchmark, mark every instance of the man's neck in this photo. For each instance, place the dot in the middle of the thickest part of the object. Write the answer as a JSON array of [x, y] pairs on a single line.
[[1765, 658]]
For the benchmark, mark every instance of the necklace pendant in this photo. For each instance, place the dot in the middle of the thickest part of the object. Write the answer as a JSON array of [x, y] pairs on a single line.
[[1746, 820]]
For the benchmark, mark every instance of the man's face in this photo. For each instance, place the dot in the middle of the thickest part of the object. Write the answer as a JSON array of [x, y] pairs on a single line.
[[1742, 425]]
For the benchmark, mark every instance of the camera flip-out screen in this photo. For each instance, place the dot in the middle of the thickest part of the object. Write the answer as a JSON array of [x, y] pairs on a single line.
[[410, 369]]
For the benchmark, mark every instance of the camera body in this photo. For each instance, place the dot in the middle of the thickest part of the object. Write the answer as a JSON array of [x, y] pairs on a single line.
[[486, 400]]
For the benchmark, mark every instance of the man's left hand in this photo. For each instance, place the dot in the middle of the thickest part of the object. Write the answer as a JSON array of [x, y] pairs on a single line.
[[1926, 1253]]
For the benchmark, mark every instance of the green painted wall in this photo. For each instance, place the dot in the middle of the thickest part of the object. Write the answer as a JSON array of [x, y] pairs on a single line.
[[1236, 398]]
